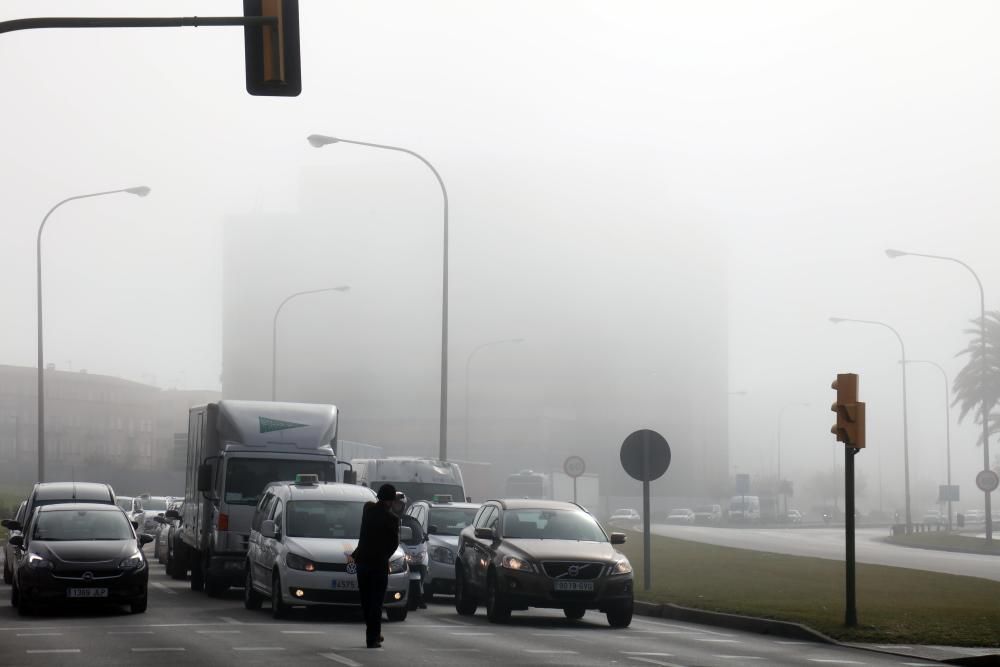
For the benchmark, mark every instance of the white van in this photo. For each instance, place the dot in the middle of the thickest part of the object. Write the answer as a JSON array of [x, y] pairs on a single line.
[[417, 478], [744, 509]]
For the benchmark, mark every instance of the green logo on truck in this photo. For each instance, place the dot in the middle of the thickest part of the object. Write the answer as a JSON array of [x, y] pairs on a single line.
[[270, 425]]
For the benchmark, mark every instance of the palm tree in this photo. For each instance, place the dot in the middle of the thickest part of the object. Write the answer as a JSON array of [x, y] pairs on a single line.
[[970, 387]]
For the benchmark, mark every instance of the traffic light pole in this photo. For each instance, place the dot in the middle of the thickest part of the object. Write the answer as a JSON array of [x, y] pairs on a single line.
[[851, 609]]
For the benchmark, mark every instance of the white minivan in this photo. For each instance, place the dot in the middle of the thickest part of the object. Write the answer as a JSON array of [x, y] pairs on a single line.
[[301, 538]]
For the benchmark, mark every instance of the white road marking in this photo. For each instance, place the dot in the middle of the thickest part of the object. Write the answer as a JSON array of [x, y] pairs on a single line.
[[548, 651], [341, 659], [219, 632], [230, 620], [787, 643], [157, 649], [39, 634], [738, 657], [53, 650], [302, 632], [919, 664], [473, 634], [662, 655], [258, 648], [453, 650], [663, 663], [892, 646], [836, 661], [130, 632], [450, 622], [716, 641], [166, 589]]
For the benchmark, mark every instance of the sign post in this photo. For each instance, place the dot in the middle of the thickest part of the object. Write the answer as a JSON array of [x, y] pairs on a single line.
[[574, 466], [850, 430], [645, 456]]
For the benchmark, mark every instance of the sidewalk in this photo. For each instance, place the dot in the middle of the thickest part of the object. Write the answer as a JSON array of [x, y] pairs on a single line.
[[951, 654]]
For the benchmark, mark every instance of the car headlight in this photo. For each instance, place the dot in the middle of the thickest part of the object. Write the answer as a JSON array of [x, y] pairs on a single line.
[[397, 565], [517, 564], [443, 555], [622, 567], [39, 563], [418, 558], [297, 562], [133, 562]]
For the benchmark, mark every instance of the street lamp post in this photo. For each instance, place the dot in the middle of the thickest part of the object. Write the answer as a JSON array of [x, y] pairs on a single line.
[[274, 332], [140, 191], [781, 415], [468, 363], [947, 419], [318, 141], [906, 435], [892, 254]]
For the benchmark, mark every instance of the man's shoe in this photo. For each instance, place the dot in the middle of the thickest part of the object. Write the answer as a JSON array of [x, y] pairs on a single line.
[[381, 639]]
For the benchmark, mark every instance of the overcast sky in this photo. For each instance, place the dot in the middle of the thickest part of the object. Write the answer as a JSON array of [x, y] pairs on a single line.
[[809, 136]]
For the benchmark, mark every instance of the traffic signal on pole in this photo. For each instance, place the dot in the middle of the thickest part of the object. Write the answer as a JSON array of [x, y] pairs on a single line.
[[850, 426], [274, 67]]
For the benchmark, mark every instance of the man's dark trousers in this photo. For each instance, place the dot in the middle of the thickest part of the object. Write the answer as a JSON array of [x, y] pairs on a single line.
[[372, 583]]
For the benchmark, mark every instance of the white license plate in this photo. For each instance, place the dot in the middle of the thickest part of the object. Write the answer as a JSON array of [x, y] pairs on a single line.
[[86, 592], [574, 585], [345, 584]]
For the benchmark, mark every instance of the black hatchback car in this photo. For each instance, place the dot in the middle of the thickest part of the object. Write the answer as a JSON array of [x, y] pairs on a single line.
[[541, 553], [76, 552]]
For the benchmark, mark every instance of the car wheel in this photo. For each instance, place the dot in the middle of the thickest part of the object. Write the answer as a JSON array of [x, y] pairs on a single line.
[[139, 606], [278, 607], [575, 613], [497, 610], [396, 614], [251, 598], [465, 604], [620, 614]]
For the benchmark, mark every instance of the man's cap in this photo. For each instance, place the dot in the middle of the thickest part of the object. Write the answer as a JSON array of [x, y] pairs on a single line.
[[387, 492]]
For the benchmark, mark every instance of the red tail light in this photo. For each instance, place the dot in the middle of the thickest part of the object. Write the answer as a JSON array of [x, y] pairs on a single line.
[[223, 522]]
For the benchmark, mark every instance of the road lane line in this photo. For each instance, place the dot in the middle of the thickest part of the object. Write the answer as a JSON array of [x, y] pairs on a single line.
[[648, 653], [662, 663], [39, 634], [453, 650], [738, 657], [130, 632], [230, 620], [156, 649], [302, 632], [258, 648], [52, 650], [163, 587], [341, 659], [218, 632], [473, 634], [836, 661], [548, 651], [716, 641]]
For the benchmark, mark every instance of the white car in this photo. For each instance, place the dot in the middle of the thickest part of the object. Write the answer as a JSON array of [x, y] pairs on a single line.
[[975, 516], [442, 522], [301, 539], [683, 515], [624, 516]]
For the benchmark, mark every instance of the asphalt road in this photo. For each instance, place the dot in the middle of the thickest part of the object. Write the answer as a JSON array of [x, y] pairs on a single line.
[[182, 627], [829, 543]]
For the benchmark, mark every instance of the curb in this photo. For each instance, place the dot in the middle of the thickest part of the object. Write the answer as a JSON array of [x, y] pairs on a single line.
[[762, 626]]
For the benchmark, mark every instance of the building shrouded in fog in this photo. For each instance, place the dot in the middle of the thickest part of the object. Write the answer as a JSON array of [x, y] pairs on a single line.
[[621, 330]]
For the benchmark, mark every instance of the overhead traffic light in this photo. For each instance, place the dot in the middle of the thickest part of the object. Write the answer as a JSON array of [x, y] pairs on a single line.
[[850, 426], [272, 51]]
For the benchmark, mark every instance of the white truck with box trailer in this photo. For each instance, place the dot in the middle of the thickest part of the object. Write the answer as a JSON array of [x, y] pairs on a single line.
[[418, 478], [235, 448]]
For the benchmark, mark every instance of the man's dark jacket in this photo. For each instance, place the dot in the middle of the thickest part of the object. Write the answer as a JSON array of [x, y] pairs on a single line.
[[379, 536]]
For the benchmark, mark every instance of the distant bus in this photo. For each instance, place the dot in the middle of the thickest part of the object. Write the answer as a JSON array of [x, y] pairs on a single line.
[[529, 484]]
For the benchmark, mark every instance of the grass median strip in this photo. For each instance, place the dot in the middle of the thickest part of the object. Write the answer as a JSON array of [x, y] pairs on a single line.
[[948, 542], [895, 605]]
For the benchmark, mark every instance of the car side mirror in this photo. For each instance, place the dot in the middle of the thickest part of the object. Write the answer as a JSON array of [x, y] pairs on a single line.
[[16, 540], [172, 515], [617, 538], [145, 538], [432, 529], [267, 529], [486, 534], [350, 477], [405, 534]]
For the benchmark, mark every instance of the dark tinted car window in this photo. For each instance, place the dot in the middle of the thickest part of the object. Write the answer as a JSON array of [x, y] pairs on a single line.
[[81, 525]]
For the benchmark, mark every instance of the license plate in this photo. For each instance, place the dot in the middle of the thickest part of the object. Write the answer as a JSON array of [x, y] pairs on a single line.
[[86, 592], [574, 585], [345, 584]]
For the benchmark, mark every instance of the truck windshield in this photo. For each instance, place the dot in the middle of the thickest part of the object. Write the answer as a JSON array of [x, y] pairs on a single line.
[[425, 491], [451, 520], [528, 487], [324, 519], [246, 478]]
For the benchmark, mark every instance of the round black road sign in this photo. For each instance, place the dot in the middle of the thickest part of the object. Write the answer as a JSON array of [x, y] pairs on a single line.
[[645, 455], [987, 481]]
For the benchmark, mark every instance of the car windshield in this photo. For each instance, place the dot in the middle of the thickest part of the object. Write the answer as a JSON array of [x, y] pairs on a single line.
[[246, 478], [324, 519], [81, 525], [451, 520], [415, 491], [552, 525], [154, 504]]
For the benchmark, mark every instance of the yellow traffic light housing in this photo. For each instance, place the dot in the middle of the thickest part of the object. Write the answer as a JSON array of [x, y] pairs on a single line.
[[273, 63], [850, 426]]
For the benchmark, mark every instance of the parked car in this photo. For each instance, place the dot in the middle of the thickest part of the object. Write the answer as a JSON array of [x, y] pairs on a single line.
[[79, 553], [708, 514], [10, 552], [301, 537], [541, 553], [164, 529], [625, 517], [443, 522], [682, 515], [793, 516]]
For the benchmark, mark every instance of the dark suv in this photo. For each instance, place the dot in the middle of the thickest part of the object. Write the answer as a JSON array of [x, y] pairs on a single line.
[[541, 553]]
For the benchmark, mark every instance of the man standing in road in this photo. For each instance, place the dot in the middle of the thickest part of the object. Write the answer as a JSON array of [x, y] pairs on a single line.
[[378, 541]]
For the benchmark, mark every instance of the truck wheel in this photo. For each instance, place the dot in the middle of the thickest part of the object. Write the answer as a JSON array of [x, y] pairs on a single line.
[[197, 576]]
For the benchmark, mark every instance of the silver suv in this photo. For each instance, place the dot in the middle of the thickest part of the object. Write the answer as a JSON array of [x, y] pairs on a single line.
[[302, 535]]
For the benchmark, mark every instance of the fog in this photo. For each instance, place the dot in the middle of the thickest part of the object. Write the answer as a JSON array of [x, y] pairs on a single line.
[[665, 201]]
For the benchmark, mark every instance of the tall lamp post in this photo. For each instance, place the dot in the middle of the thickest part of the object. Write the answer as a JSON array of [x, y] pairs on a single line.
[[274, 331], [947, 419], [140, 191], [320, 140], [892, 254], [468, 363], [906, 435], [781, 415]]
